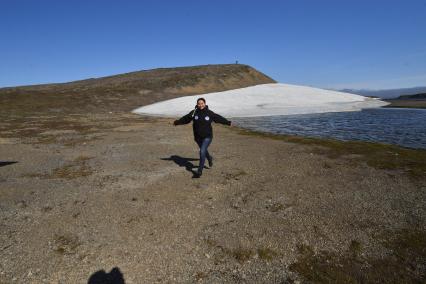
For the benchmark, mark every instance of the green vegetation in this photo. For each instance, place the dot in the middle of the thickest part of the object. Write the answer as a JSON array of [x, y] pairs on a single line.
[[377, 155], [404, 262], [407, 103]]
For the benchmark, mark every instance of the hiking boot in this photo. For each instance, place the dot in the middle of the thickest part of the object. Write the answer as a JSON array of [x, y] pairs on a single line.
[[197, 174], [210, 161]]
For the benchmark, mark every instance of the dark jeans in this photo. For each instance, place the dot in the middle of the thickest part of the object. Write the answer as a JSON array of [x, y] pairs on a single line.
[[203, 143]]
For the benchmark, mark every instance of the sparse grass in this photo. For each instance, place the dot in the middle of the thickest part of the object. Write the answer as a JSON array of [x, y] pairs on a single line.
[[45, 129], [70, 172], [78, 168], [405, 262], [46, 208], [75, 169], [266, 253], [377, 155], [200, 275], [275, 207], [65, 244], [355, 248], [242, 254], [407, 245], [235, 175], [327, 165]]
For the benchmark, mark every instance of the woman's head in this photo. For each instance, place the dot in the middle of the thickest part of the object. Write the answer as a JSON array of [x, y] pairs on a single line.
[[201, 103]]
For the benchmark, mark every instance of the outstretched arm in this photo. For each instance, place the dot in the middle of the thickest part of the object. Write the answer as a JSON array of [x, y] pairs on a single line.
[[220, 119], [184, 119]]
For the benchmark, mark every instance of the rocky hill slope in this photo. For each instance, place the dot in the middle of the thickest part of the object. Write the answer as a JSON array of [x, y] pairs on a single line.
[[124, 92]]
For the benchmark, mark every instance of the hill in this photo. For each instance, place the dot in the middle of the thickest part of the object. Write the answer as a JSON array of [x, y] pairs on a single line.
[[408, 101], [386, 93], [123, 92], [415, 97]]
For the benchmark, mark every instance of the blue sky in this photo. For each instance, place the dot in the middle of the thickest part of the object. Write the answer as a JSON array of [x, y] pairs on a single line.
[[372, 44]]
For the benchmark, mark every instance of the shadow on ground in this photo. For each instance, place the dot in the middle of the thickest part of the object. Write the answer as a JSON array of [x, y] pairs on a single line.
[[185, 162], [182, 162], [101, 277], [6, 163]]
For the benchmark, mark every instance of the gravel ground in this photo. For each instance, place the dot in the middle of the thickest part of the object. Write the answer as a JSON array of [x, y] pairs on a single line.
[[117, 199]]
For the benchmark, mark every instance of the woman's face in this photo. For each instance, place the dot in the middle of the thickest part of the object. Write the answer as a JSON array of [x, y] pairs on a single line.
[[201, 104]]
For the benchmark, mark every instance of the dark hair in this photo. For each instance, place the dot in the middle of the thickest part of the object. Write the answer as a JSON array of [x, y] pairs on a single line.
[[201, 99]]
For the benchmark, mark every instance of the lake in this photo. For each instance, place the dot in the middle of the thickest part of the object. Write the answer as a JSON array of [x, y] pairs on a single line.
[[401, 126]]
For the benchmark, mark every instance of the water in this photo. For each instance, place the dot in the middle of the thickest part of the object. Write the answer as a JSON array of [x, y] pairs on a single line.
[[404, 127]]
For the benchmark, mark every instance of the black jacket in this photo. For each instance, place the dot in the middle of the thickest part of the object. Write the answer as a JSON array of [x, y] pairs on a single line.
[[202, 120]]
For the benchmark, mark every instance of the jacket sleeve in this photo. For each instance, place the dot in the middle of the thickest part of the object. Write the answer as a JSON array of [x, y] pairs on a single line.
[[184, 119], [220, 119]]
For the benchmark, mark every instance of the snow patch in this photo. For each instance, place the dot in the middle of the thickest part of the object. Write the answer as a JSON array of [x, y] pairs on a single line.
[[265, 100]]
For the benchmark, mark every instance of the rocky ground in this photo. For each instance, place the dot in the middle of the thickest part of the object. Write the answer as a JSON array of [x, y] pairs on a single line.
[[90, 197]]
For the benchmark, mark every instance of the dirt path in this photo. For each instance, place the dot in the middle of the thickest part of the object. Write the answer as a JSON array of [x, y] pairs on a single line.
[[115, 191]]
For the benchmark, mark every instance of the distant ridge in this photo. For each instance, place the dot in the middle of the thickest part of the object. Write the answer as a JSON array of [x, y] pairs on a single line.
[[415, 97], [123, 92], [386, 93], [409, 101]]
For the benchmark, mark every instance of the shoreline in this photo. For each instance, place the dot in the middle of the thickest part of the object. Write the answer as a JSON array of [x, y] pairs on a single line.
[[406, 103], [407, 157]]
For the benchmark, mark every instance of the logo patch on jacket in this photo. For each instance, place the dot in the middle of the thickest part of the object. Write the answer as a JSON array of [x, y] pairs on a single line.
[[196, 117], [207, 118]]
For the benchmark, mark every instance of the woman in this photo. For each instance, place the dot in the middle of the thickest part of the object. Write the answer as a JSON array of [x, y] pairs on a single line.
[[202, 119]]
